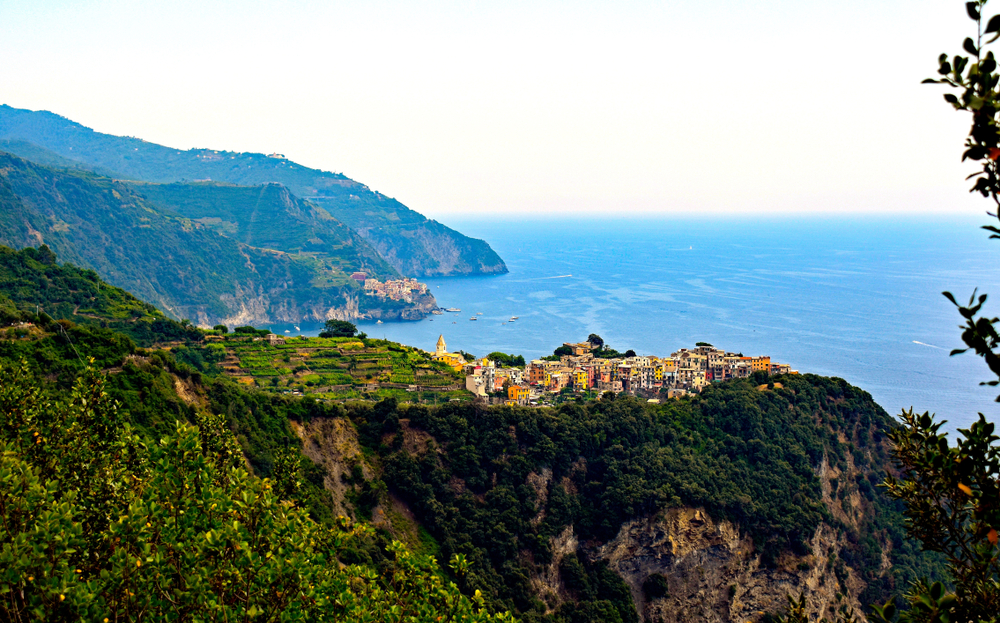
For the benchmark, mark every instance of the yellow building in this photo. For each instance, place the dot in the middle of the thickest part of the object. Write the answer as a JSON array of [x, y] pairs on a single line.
[[453, 360], [760, 364], [517, 394]]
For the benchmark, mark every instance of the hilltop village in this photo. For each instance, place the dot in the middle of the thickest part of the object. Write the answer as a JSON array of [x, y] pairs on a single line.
[[405, 289], [581, 367]]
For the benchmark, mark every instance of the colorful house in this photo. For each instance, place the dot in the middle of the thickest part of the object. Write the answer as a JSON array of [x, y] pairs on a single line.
[[453, 360]]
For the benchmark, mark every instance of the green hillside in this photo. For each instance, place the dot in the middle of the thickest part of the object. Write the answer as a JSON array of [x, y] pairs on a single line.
[[330, 368], [270, 217], [32, 282], [503, 485], [523, 502], [42, 156], [183, 266], [140, 490], [413, 244]]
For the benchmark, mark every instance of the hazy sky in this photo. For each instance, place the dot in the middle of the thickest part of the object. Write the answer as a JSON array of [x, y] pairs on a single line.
[[537, 107]]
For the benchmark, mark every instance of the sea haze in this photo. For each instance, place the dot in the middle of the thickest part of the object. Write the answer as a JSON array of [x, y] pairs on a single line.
[[857, 298]]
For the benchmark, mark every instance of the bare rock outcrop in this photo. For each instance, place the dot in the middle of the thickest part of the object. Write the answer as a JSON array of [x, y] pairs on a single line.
[[547, 582], [333, 444], [714, 574]]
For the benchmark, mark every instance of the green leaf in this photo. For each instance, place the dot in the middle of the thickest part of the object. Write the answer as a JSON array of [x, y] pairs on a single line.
[[937, 591], [994, 24], [972, 9], [970, 46]]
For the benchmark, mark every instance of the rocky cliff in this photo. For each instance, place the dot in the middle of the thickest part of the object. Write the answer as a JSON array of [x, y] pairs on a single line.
[[427, 248], [712, 508], [714, 574], [257, 306]]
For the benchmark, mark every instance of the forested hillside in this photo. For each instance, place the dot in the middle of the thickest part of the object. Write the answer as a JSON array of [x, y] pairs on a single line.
[[711, 508], [183, 266], [270, 217], [413, 244], [566, 514], [113, 506], [33, 282]]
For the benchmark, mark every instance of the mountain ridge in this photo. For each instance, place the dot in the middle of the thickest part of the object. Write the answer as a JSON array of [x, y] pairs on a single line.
[[412, 243], [182, 266]]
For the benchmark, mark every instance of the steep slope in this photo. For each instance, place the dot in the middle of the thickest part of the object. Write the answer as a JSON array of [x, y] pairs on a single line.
[[707, 509], [181, 265], [113, 506], [270, 217], [31, 281], [44, 157], [410, 242]]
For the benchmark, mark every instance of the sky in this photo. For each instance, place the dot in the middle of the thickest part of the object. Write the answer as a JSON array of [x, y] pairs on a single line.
[[532, 108]]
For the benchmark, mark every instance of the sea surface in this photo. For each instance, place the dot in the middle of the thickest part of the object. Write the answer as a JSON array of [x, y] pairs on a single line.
[[852, 297]]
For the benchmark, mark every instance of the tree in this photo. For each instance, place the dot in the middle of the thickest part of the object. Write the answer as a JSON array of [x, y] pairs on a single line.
[[248, 330], [562, 351], [467, 356], [595, 340], [507, 361], [97, 525], [951, 493], [338, 328]]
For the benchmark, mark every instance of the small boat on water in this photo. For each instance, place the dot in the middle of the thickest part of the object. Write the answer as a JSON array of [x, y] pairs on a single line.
[[378, 322], [473, 318], [287, 331], [512, 319], [296, 328], [479, 313], [452, 309]]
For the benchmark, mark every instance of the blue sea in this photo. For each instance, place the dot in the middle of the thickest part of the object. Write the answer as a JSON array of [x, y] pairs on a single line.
[[852, 297]]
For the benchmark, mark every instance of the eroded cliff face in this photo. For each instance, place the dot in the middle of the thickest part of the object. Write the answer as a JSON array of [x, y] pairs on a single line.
[[249, 304], [333, 444], [429, 249], [714, 574]]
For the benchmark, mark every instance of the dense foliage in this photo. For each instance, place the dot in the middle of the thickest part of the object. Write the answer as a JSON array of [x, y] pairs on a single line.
[[410, 242], [338, 328], [183, 266], [742, 451], [503, 360], [32, 282], [95, 525]]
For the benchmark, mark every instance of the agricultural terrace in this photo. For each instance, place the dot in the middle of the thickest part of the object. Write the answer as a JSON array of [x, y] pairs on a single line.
[[337, 368]]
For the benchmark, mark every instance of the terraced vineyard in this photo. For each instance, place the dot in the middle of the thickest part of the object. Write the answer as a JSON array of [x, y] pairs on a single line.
[[332, 368]]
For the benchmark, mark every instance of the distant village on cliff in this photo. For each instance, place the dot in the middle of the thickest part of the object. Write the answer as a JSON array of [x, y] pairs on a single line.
[[580, 367]]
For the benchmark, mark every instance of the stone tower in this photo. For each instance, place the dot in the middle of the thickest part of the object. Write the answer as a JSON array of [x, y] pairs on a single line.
[[442, 348]]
